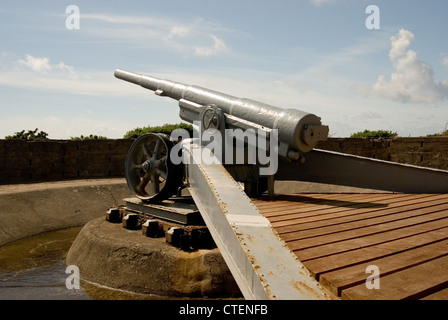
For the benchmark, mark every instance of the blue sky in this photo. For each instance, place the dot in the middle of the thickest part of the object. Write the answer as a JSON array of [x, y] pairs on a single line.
[[313, 55]]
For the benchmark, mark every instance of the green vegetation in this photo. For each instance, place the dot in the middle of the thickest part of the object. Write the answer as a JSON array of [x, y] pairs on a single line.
[[443, 134], [36, 135], [166, 128], [30, 135], [374, 134], [91, 137]]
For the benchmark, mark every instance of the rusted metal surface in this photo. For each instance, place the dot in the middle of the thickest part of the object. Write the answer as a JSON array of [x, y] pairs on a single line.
[[260, 261], [338, 236], [179, 212]]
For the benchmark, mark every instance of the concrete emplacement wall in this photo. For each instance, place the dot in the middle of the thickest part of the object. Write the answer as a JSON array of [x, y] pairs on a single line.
[[30, 209], [106, 253], [24, 161]]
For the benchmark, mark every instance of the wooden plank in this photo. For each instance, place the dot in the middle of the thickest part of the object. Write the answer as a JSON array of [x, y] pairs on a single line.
[[271, 204], [412, 283], [307, 203], [310, 230], [301, 216], [341, 279], [305, 200], [284, 210], [366, 241], [439, 295], [339, 212], [328, 204], [325, 264], [302, 198], [299, 241], [358, 215]]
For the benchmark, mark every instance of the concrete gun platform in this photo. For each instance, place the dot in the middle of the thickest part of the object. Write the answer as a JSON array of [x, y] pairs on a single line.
[[109, 255]]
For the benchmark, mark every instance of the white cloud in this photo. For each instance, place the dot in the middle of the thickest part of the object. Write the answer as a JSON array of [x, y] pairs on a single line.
[[445, 62], [185, 37], [400, 43], [72, 73], [217, 47], [179, 31], [36, 64], [39, 73], [412, 79], [43, 65]]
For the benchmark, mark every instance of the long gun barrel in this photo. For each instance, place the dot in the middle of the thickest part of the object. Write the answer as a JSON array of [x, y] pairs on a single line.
[[297, 129]]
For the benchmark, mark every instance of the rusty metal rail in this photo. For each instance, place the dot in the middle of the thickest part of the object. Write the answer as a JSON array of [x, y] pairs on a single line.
[[260, 261]]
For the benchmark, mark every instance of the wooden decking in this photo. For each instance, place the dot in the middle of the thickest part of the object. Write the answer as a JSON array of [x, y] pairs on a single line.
[[337, 236]]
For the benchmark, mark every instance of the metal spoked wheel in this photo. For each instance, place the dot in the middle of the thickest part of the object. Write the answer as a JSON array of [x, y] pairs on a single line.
[[150, 174]]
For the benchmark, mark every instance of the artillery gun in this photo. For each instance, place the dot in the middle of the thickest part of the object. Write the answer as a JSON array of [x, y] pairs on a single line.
[[294, 134], [152, 176]]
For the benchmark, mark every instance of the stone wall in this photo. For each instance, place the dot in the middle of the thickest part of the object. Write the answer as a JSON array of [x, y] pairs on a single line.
[[23, 161], [424, 152]]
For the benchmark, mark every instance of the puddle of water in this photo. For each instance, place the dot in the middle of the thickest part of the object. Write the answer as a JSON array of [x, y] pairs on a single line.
[[34, 269]]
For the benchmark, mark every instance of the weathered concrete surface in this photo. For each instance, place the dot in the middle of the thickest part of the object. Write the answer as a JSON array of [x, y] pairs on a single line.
[[30, 209], [112, 256]]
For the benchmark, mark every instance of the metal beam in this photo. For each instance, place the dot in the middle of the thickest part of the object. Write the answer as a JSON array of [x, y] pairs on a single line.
[[260, 261], [349, 170]]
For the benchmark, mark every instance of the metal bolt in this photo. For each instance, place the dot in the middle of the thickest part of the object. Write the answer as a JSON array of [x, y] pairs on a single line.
[[113, 215], [152, 228], [130, 221], [173, 236], [146, 166]]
